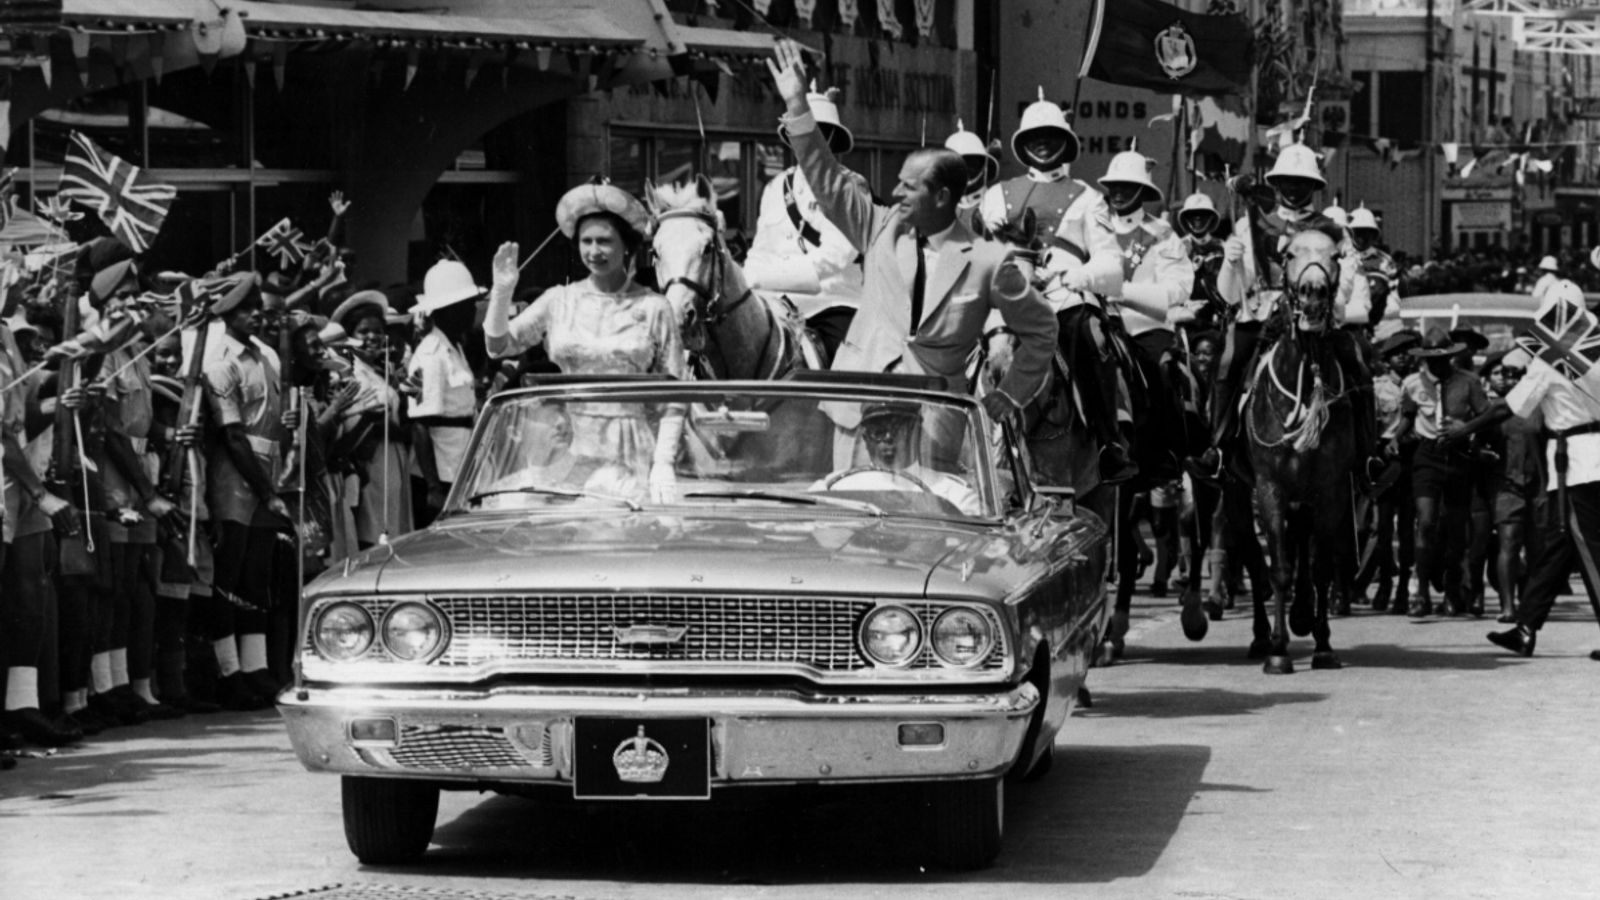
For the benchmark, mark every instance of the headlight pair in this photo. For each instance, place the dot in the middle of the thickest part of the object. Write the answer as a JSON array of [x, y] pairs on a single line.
[[894, 636], [410, 632]]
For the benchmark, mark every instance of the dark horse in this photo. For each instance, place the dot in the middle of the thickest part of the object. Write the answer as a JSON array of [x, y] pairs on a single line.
[[1300, 425], [1064, 449], [731, 331]]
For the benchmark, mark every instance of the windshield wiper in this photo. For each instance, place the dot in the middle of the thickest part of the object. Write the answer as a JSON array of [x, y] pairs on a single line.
[[548, 491], [788, 497]]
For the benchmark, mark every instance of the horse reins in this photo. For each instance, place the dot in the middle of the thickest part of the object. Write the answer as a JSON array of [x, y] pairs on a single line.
[[712, 295]]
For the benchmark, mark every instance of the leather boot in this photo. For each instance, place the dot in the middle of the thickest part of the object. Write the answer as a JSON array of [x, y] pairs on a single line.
[[37, 728]]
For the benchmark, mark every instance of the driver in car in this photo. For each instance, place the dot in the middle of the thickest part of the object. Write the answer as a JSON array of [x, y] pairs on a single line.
[[890, 438]]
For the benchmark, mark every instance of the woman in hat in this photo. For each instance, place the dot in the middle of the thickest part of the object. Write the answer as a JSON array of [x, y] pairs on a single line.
[[606, 324], [446, 400], [1434, 399], [372, 444]]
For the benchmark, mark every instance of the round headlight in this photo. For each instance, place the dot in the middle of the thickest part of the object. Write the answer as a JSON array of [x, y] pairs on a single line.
[[344, 632], [962, 637], [891, 635], [412, 632]]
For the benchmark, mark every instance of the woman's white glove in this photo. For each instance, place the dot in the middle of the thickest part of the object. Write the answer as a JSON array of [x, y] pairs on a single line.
[[497, 318], [663, 470]]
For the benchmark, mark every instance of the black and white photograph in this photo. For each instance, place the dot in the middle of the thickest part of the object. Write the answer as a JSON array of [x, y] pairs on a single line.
[[797, 449]]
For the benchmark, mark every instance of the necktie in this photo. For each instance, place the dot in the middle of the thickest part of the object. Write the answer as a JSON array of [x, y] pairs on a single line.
[[919, 283]]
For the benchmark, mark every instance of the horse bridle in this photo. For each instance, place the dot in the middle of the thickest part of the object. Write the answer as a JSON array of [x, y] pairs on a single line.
[[1293, 290], [709, 295]]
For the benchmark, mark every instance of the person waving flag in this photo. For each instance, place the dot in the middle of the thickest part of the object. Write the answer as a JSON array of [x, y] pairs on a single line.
[[131, 204]]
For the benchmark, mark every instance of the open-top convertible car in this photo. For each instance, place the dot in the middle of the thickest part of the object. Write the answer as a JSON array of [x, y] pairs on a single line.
[[811, 582]]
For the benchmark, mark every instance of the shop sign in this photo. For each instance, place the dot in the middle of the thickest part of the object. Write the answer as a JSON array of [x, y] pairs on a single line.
[[1478, 216], [1464, 192], [1547, 217]]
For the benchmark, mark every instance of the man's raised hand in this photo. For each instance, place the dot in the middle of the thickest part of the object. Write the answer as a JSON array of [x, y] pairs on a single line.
[[788, 68]]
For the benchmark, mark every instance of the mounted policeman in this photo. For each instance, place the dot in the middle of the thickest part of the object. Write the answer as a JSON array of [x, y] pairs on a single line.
[[797, 253], [1072, 222], [1252, 279]]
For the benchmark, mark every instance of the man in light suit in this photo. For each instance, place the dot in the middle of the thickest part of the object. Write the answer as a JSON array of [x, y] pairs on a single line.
[[930, 284]]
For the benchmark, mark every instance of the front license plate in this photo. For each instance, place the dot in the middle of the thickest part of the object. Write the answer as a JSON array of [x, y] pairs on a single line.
[[651, 759]]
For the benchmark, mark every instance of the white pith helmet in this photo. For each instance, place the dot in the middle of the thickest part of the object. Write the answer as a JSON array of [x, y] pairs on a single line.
[[1362, 219], [1132, 167], [1338, 215], [967, 144], [1297, 160], [1041, 115], [1198, 202], [1549, 264], [825, 110]]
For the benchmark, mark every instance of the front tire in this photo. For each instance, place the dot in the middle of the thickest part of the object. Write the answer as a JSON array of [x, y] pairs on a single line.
[[388, 821], [966, 820]]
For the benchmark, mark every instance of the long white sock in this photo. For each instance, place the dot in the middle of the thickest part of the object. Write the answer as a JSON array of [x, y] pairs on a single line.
[[253, 652], [22, 688], [100, 673], [119, 667], [141, 686], [227, 655], [72, 701]]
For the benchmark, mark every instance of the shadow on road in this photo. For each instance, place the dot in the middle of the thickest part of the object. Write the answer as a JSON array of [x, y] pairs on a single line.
[[1176, 703], [125, 756], [1103, 813]]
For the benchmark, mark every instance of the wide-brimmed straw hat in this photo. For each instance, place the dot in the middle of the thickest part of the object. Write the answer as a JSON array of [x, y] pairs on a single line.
[[1437, 343], [600, 197], [1399, 342], [363, 300], [448, 282]]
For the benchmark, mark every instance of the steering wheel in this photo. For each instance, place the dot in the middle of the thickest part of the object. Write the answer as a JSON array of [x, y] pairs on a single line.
[[832, 481]]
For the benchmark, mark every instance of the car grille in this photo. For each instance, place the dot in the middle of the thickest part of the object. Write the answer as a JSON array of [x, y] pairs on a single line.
[[815, 632], [446, 747]]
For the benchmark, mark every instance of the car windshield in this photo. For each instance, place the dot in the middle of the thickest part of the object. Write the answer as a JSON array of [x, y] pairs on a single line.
[[855, 453]]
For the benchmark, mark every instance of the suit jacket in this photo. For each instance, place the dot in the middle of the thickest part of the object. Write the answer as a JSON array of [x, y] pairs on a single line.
[[960, 288]]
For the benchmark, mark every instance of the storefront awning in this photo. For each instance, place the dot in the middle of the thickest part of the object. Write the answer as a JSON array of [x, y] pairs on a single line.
[[618, 23]]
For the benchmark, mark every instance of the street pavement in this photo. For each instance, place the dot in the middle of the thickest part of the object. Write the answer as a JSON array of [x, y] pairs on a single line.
[[1431, 766]]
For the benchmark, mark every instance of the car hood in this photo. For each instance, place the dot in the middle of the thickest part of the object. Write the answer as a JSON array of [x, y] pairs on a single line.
[[603, 551]]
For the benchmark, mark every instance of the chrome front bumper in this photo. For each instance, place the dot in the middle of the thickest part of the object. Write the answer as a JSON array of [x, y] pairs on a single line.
[[524, 735]]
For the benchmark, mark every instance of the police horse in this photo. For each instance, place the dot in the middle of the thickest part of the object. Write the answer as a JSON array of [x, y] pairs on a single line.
[[1065, 451], [732, 332], [1299, 425]]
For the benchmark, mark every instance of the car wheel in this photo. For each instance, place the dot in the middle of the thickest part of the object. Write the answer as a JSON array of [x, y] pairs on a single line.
[[388, 821], [966, 820]]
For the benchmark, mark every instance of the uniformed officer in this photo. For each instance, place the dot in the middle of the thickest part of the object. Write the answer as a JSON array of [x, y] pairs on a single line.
[[1199, 221], [982, 170], [797, 252], [1157, 278], [1572, 420], [1082, 260], [1383, 276], [1252, 279]]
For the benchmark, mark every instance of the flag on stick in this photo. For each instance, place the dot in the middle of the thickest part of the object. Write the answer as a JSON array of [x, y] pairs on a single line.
[[286, 242], [1155, 45], [131, 204], [1567, 337]]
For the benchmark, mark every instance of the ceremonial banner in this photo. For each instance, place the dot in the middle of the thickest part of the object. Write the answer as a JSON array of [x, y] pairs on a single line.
[[1155, 45], [129, 202]]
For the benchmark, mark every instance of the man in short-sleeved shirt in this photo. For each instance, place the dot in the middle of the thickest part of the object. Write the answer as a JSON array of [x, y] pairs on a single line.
[[1572, 419]]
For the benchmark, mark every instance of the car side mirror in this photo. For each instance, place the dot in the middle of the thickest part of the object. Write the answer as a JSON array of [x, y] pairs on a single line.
[[1063, 500]]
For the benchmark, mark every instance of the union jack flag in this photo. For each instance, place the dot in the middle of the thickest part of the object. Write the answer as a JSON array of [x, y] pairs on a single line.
[[1567, 337], [129, 202], [286, 242], [55, 208], [194, 297]]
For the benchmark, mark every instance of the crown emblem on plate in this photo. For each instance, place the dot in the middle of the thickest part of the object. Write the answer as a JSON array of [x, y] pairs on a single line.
[[640, 759]]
